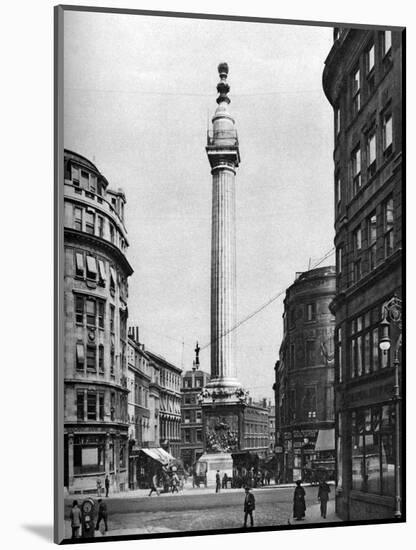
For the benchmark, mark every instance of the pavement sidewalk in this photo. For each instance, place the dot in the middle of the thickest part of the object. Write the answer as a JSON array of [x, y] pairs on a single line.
[[188, 490]]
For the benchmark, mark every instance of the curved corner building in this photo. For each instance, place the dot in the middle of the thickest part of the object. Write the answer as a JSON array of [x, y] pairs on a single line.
[[95, 334], [305, 378]]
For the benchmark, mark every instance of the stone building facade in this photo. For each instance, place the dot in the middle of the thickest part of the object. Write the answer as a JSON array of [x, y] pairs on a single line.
[[193, 381], [95, 333], [169, 412], [305, 377], [362, 80]]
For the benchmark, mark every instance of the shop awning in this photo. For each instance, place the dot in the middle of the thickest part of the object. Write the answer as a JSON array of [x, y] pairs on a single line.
[[159, 454], [325, 440]]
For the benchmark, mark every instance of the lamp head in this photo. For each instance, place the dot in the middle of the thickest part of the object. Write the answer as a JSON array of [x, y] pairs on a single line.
[[385, 341]]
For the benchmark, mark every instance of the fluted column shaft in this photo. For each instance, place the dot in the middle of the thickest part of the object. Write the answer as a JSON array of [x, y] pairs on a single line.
[[223, 274]]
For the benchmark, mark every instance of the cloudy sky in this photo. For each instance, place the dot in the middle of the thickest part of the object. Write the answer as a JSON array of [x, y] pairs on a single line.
[[139, 91]]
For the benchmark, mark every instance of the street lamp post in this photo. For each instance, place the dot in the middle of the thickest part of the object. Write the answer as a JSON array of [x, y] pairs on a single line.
[[392, 313]]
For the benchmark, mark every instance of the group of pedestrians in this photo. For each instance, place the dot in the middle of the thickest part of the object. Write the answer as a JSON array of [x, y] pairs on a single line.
[[299, 505], [76, 518], [171, 483]]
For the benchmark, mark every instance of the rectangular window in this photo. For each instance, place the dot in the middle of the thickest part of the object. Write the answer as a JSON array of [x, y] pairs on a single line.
[[93, 183], [89, 222], [112, 281], [112, 313], [80, 406], [101, 406], [357, 240], [90, 307], [356, 99], [91, 358], [292, 405], [356, 169], [387, 134], [112, 360], [388, 227], [91, 406], [91, 267], [113, 406], [372, 241], [353, 358], [75, 175], [311, 312], [370, 77], [84, 179], [376, 350], [80, 357], [77, 218], [101, 272], [386, 42], [100, 221], [79, 264], [199, 436], [338, 193], [357, 244], [339, 260], [101, 359], [79, 310], [371, 155], [112, 236], [339, 353], [310, 353], [101, 313], [367, 353]]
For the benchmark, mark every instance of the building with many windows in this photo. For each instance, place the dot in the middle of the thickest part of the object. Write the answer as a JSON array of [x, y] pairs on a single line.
[[362, 80], [169, 413], [304, 387], [193, 381], [95, 333]]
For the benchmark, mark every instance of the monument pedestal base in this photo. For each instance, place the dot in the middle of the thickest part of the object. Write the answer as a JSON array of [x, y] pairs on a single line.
[[217, 461]]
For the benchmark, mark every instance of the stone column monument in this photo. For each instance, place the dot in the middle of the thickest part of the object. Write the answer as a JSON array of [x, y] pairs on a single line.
[[223, 398]]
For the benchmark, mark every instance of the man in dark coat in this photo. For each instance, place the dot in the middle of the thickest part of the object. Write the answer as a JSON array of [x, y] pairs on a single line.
[[249, 506], [299, 505], [323, 496], [107, 485], [75, 517], [102, 515], [217, 482]]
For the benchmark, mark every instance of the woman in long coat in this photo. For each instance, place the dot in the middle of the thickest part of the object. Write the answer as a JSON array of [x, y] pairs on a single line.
[[299, 505]]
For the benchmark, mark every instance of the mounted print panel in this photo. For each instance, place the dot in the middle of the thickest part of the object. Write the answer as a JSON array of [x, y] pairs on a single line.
[[229, 304]]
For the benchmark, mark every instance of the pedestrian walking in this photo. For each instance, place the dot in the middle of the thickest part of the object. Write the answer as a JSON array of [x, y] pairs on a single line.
[[217, 482], [268, 478], [107, 485], [75, 516], [98, 487], [323, 496], [224, 481], [299, 506], [102, 515], [153, 486], [249, 506], [175, 483]]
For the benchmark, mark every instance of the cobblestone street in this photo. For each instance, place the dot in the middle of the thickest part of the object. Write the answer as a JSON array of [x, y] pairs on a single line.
[[196, 512]]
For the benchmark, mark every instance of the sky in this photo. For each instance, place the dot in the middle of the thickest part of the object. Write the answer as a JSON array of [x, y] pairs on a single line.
[[139, 92]]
